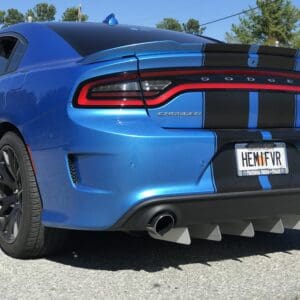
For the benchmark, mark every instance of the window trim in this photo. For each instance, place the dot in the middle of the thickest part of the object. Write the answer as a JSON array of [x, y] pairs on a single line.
[[19, 49]]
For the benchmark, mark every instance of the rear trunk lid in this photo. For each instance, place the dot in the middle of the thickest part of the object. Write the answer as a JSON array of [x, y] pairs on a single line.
[[222, 86]]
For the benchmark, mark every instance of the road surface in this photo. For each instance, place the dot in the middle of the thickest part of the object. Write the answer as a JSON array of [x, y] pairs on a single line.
[[118, 266]]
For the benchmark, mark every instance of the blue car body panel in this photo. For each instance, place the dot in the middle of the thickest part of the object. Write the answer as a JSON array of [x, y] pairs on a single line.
[[41, 37], [124, 156]]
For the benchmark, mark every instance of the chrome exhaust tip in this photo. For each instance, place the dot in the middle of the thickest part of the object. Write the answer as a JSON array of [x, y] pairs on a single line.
[[161, 224]]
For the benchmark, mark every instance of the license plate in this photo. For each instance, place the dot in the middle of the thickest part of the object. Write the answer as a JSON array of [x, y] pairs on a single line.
[[261, 159]]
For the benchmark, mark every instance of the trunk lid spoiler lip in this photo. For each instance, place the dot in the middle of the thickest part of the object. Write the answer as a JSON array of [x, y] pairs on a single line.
[[172, 47], [161, 47]]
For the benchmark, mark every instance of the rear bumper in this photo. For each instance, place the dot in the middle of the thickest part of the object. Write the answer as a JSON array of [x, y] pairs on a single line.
[[128, 168], [214, 208]]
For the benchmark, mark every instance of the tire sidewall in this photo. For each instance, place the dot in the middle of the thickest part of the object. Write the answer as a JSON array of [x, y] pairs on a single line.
[[16, 143]]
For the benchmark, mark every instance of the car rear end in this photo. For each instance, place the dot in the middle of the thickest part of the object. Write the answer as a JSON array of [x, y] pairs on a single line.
[[184, 139]]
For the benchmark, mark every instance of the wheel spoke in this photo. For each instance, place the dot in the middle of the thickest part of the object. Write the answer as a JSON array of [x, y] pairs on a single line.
[[3, 223], [13, 222], [11, 163], [5, 176], [18, 176], [6, 204], [19, 194]]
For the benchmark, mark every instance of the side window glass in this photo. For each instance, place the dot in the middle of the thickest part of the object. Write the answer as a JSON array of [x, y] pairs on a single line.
[[7, 45], [3, 59]]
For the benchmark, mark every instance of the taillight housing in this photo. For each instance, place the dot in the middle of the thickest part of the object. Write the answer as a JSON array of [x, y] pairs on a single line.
[[155, 88], [123, 90], [116, 91]]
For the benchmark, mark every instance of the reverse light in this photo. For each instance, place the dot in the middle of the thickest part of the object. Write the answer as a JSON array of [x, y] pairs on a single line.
[[155, 85]]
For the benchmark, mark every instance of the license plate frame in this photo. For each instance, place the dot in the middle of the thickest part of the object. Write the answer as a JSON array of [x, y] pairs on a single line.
[[254, 159]]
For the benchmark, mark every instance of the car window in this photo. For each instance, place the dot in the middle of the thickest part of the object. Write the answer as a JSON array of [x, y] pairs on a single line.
[[89, 38], [7, 45]]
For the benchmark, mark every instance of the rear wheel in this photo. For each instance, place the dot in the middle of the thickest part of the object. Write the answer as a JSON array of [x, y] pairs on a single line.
[[22, 234]]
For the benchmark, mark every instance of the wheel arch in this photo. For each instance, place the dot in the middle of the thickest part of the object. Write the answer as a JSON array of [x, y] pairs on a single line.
[[9, 127]]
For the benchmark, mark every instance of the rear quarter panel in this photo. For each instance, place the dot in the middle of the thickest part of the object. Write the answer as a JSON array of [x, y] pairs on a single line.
[[42, 110]]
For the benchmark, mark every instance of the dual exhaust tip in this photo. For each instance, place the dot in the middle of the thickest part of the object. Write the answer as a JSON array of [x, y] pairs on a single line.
[[161, 224]]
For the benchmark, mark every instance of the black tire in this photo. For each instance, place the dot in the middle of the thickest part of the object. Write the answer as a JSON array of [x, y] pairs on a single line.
[[27, 237]]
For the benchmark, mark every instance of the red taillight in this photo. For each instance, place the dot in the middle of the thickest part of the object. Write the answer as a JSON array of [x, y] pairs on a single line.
[[155, 88], [118, 91], [125, 90]]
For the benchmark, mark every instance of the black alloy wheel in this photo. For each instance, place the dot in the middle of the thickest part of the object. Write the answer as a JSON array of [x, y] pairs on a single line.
[[22, 233], [11, 191]]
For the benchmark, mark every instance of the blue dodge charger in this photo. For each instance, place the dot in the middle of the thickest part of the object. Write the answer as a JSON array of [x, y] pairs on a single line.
[[127, 128]]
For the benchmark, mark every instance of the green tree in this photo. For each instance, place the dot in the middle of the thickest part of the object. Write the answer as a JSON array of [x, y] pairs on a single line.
[[42, 12], [13, 16], [72, 14], [193, 26], [296, 40], [170, 24], [2, 15], [274, 20]]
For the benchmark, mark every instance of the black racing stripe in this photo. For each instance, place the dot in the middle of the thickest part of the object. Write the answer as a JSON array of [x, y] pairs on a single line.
[[225, 137], [235, 55], [276, 58], [292, 139], [291, 180], [279, 51], [226, 109], [226, 55], [276, 62], [224, 163], [223, 48], [226, 60], [276, 110], [289, 135]]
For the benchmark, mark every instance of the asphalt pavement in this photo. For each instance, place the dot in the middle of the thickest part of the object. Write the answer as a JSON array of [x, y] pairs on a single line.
[[118, 266]]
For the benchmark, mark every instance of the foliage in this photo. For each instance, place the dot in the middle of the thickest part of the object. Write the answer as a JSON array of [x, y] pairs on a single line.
[[42, 12], [2, 15], [274, 20], [296, 40], [193, 26], [13, 16], [72, 14], [169, 24]]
